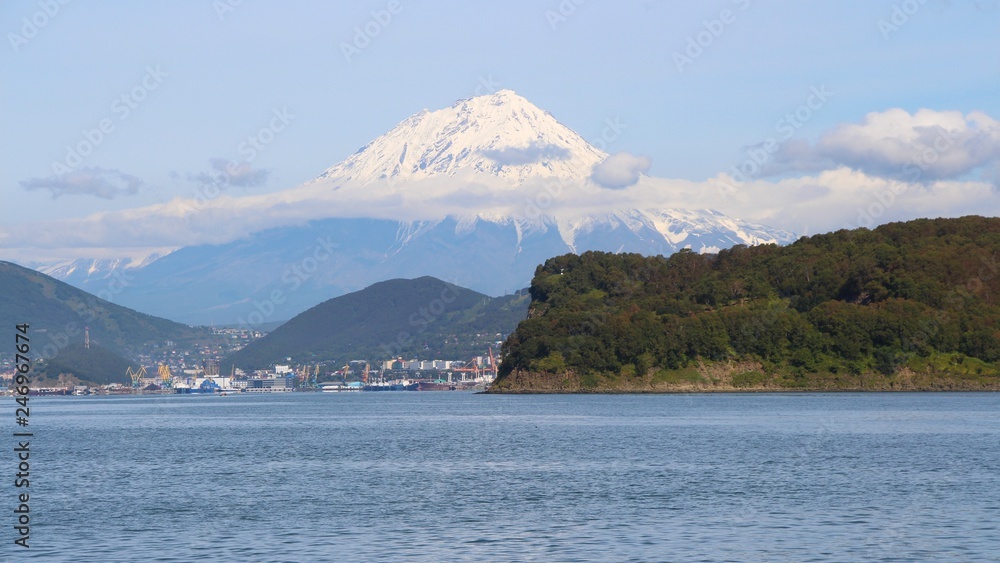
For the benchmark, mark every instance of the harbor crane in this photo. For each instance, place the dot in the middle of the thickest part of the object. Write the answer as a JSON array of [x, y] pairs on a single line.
[[135, 375], [493, 363], [165, 376], [479, 371]]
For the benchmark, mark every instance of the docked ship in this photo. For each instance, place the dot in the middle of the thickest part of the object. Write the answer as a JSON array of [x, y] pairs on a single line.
[[337, 387], [438, 385]]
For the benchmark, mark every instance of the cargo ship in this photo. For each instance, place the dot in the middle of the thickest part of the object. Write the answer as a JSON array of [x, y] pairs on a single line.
[[435, 386]]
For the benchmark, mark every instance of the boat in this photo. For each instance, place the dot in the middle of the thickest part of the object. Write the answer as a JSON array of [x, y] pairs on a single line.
[[352, 387], [435, 386]]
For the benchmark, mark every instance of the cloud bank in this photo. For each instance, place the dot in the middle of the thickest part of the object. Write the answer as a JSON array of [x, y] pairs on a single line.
[[851, 176]]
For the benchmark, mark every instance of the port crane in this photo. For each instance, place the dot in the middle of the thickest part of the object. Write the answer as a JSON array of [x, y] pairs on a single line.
[[303, 373], [493, 363], [135, 375], [470, 367], [479, 371], [166, 376]]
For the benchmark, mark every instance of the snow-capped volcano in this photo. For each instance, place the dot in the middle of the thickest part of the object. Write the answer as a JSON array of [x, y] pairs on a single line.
[[499, 134], [478, 194]]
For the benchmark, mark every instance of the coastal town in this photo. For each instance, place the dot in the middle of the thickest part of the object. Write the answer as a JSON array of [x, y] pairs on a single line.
[[171, 369]]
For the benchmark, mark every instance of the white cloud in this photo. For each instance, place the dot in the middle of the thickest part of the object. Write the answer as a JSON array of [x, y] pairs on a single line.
[[97, 182], [925, 146], [620, 170], [534, 152], [228, 173]]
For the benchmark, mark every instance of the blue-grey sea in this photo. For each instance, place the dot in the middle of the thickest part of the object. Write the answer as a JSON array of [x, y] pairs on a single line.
[[450, 476]]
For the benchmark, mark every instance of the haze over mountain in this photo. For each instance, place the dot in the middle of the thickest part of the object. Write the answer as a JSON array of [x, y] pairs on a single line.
[[478, 194]]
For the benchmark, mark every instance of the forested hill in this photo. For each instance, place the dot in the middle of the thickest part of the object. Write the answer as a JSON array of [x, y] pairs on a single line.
[[58, 313], [912, 305], [423, 318]]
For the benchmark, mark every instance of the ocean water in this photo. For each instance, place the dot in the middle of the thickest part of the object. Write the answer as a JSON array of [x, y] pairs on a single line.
[[452, 476]]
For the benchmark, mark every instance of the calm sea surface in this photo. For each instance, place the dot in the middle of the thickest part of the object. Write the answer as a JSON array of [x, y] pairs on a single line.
[[455, 476]]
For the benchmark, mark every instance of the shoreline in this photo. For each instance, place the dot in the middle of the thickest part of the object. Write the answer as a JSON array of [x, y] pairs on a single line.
[[731, 391], [720, 379]]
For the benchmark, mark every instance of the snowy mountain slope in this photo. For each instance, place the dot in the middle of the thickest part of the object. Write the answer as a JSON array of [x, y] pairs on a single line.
[[78, 271], [501, 134]]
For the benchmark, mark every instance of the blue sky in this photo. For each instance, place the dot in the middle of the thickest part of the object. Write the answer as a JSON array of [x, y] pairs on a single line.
[[215, 74]]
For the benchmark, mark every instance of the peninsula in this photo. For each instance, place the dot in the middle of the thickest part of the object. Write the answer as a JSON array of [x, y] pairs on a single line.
[[907, 306]]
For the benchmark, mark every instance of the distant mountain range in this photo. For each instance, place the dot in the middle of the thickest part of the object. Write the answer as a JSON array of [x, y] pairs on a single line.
[[501, 138], [423, 318]]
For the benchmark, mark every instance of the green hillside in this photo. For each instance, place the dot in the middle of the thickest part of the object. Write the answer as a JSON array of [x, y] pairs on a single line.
[[95, 365], [58, 313], [912, 305], [424, 317]]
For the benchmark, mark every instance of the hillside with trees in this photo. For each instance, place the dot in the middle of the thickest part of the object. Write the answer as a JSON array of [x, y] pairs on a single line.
[[58, 313], [77, 364], [422, 318], [906, 306]]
